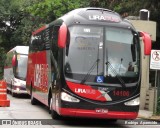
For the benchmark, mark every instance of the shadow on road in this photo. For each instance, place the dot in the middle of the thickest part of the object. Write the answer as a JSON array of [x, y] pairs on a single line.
[[20, 96], [87, 122]]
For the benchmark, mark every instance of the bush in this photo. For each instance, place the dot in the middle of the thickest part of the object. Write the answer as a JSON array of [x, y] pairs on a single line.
[[158, 106]]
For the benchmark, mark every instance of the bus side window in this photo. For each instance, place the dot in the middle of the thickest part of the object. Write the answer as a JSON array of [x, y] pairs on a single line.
[[37, 43], [53, 74], [44, 40], [54, 45], [40, 42], [34, 44], [54, 71]]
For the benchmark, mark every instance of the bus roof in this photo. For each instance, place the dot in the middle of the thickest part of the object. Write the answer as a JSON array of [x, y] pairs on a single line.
[[90, 15], [93, 14]]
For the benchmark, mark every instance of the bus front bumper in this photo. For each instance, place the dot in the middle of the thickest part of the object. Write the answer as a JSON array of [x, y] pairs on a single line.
[[97, 114]]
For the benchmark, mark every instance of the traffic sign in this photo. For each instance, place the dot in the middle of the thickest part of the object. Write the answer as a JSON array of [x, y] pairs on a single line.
[[155, 59]]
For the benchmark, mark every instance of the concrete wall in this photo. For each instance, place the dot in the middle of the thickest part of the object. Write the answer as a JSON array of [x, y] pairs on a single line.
[[144, 76], [146, 26], [149, 27], [151, 99]]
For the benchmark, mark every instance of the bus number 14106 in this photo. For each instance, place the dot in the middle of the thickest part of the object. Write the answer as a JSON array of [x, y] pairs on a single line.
[[121, 93]]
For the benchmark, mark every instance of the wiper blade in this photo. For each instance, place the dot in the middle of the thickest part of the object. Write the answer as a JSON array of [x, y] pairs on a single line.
[[89, 71], [115, 73]]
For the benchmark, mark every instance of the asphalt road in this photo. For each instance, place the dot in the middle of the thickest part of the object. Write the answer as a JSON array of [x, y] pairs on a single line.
[[22, 114]]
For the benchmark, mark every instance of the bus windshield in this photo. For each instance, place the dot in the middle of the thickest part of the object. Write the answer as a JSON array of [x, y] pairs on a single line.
[[108, 52], [21, 68]]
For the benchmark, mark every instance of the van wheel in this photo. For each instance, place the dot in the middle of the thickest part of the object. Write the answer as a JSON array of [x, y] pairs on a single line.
[[54, 114], [12, 93]]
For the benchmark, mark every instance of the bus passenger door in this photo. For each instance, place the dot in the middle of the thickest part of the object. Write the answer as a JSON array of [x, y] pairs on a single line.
[[41, 68]]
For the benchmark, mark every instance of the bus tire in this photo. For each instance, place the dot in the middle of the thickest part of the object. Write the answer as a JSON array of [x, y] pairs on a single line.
[[54, 114], [50, 105], [49, 102], [33, 100]]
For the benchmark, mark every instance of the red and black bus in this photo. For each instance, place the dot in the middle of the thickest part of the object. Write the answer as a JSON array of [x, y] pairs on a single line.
[[87, 63]]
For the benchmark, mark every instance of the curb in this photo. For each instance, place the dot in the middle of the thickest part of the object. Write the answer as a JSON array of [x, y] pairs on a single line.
[[150, 118]]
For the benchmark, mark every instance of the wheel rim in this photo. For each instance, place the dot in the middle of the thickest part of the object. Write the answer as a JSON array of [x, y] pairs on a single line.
[[50, 105]]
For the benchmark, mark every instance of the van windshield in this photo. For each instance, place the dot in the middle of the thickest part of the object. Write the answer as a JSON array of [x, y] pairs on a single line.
[[21, 68]]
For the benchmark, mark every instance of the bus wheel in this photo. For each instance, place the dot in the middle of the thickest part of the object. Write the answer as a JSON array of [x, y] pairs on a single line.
[[33, 100], [50, 105], [54, 114]]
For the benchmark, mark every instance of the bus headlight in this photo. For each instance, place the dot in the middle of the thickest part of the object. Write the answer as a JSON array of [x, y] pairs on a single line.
[[17, 89], [133, 102], [69, 98]]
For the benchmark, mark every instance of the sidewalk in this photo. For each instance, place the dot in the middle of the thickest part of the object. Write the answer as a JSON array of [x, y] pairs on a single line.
[[145, 114], [148, 115]]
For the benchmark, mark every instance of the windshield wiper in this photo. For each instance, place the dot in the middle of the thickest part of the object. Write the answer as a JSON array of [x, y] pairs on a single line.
[[89, 71], [115, 73]]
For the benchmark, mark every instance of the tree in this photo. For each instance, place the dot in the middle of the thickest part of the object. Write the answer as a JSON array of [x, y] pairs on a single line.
[[2, 59], [46, 11], [12, 33], [130, 7], [10, 21], [18, 18]]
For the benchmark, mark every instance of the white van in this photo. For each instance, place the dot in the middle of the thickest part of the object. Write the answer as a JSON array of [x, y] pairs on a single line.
[[15, 69]]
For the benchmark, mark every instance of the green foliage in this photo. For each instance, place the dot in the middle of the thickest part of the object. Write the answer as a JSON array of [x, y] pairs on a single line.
[[10, 21], [2, 59], [24, 16], [158, 106], [46, 11], [130, 7]]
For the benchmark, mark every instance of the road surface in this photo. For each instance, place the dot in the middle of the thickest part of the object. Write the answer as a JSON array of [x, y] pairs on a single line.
[[22, 114]]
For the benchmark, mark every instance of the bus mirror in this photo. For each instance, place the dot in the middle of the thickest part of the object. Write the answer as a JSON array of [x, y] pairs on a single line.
[[14, 61], [147, 43], [62, 36]]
